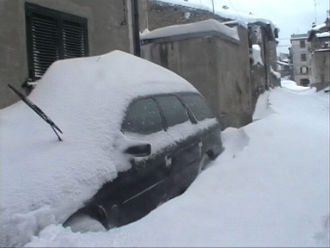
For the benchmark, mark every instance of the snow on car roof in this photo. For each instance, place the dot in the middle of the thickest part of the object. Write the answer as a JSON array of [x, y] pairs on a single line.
[[203, 27], [86, 98]]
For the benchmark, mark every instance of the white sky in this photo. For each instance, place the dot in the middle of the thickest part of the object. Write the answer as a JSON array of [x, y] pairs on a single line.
[[291, 16]]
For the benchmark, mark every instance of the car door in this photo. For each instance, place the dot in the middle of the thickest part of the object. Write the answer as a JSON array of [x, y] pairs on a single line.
[[209, 127], [146, 186], [183, 159]]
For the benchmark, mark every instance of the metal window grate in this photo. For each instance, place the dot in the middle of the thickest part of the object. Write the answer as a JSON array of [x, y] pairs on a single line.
[[53, 35]]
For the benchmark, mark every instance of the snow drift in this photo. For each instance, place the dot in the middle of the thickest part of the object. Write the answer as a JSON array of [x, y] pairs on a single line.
[[269, 188]]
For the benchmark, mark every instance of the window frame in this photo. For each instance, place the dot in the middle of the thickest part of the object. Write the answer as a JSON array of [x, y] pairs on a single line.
[[165, 126], [163, 122], [191, 113], [60, 18], [163, 114], [302, 44]]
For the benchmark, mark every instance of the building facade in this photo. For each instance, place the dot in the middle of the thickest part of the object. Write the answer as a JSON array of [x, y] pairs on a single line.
[[301, 59], [35, 33], [284, 65], [319, 38]]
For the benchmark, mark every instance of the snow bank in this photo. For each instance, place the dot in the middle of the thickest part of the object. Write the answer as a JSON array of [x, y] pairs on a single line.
[[269, 188], [43, 181], [210, 25], [256, 55], [292, 85], [275, 73]]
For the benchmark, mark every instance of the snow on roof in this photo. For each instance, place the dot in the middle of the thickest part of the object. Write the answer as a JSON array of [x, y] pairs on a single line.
[[207, 26], [322, 50], [299, 37], [323, 35], [256, 55], [318, 27], [282, 63], [226, 11], [86, 98]]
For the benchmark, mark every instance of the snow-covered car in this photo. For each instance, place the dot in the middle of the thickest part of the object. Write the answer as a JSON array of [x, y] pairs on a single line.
[[134, 136]]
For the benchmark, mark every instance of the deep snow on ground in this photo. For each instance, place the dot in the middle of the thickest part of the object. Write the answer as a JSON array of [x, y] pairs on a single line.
[[270, 187]]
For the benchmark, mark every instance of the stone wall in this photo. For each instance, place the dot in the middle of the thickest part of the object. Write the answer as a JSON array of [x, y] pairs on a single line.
[[108, 30], [258, 78], [262, 77], [160, 14], [217, 67], [321, 69]]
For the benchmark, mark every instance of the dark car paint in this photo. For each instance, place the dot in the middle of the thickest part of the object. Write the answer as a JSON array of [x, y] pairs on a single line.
[[154, 179]]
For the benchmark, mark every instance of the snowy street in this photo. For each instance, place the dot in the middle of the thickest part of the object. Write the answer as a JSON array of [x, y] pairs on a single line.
[[270, 187]]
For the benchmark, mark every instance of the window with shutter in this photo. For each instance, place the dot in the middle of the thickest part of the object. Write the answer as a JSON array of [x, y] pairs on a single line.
[[53, 35]]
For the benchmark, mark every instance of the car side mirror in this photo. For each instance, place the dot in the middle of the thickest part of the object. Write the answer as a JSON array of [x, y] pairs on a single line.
[[141, 150]]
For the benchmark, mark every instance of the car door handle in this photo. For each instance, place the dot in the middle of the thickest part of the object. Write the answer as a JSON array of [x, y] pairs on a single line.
[[168, 161]]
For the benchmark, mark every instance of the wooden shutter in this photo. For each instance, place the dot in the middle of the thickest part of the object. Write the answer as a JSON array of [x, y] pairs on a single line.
[[44, 44], [53, 35], [74, 40]]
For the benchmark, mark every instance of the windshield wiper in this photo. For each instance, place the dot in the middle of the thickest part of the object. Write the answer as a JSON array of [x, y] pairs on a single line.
[[36, 109]]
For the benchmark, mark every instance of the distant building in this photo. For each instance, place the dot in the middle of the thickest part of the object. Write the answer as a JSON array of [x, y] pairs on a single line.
[[319, 38], [301, 59], [284, 65]]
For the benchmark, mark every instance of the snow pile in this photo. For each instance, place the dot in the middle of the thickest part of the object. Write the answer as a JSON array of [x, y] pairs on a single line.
[[256, 55], [292, 85], [206, 26], [275, 73], [269, 188], [43, 181], [263, 107]]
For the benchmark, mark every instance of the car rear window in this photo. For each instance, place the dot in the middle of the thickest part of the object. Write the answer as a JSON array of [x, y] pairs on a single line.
[[198, 106], [174, 112], [142, 117]]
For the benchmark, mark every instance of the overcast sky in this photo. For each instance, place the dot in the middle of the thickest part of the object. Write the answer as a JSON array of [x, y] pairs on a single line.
[[291, 16]]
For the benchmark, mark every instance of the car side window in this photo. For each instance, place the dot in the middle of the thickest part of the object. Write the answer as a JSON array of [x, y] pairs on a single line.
[[173, 110], [142, 117], [198, 106]]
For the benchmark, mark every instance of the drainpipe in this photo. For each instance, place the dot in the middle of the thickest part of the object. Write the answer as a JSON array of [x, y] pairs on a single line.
[[136, 28]]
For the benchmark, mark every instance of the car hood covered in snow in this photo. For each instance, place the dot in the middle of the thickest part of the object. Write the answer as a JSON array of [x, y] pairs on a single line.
[[42, 180]]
